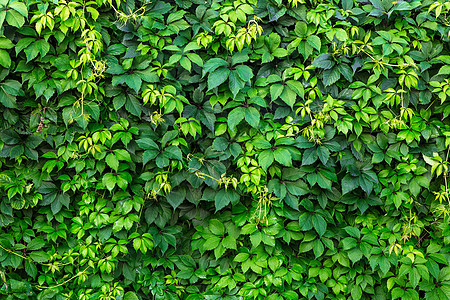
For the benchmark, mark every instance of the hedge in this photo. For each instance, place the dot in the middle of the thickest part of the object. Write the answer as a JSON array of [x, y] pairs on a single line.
[[218, 149]]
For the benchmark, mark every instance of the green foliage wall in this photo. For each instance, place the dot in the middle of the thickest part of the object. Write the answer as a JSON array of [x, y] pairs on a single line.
[[217, 149]]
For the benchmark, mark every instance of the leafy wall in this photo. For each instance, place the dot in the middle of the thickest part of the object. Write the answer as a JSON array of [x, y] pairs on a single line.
[[209, 149]]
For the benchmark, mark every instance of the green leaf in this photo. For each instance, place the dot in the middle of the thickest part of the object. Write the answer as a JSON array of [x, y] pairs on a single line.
[[133, 106], [174, 58], [5, 59], [355, 255], [297, 87], [33, 141], [318, 248], [274, 263], [239, 57], [352, 231], [275, 14], [216, 227], [39, 256], [112, 161], [119, 101], [323, 61], [422, 181], [345, 70], [176, 197], [444, 70], [323, 153], [15, 18], [229, 242], [220, 144], [297, 188], [10, 137], [384, 264], [261, 143], [116, 49], [122, 154], [280, 52], [319, 223], [134, 82], [349, 243], [292, 174], [195, 58], [288, 96], [397, 293], [225, 197], [149, 155], [212, 64], [162, 161], [118, 225], [211, 243], [275, 91], [147, 144], [20, 7], [31, 51], [341, 34], [186, 63], [16, 151], [255, 238], [305, 49], [349, 183], [185, 274], [314, 41], [323, 181], [331, 76], [109, 180], [236, 83], [414, 277], [148, 75], [277, 188], [6, 43], [130, 296], [31, 269], [218, 77], [309, 156], [241, 257], [244, 72], [235, 117], [433, 268], [283, 156], [175, 16], [36, 244], [366, 184], [252, 116], [43, 46], [265, 159], [305, 221], [268, 239]]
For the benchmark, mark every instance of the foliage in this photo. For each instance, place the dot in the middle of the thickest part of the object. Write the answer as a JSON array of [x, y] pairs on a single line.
[[218, 149]]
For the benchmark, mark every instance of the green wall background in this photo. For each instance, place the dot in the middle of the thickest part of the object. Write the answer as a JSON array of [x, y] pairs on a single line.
[[199, 149]]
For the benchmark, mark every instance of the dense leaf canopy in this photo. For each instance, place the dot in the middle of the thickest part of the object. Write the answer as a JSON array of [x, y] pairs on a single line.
[[218, 149]]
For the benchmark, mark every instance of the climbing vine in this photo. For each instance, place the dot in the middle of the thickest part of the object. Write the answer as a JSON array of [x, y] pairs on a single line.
[[218, 149]]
